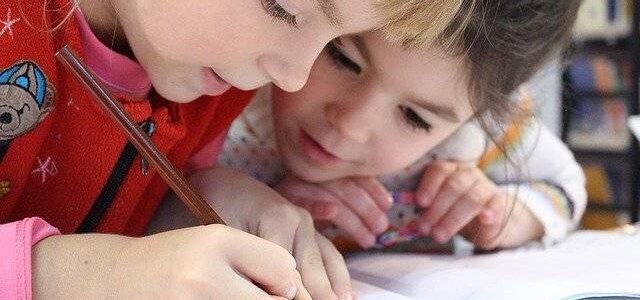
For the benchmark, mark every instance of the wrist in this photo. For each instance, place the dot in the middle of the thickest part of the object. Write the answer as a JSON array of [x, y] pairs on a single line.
[[522, 227]]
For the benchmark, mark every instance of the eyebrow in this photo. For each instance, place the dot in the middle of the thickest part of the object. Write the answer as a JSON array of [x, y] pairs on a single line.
[[444, 112], [329, 10]]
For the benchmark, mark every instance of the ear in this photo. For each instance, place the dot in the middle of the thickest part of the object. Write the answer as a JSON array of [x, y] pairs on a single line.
[[28, 76], [6, 74], [49, 101], [41, 88]]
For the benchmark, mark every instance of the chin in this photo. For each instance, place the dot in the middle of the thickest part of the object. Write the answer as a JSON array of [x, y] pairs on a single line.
[[310, 174], [178, 95]]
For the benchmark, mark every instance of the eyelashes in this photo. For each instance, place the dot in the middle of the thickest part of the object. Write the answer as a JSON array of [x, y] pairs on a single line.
[[276, 10], [414, 120], [340, 60]]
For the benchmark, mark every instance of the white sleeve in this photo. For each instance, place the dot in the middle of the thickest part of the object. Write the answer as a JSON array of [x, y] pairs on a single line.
[[547, 179]]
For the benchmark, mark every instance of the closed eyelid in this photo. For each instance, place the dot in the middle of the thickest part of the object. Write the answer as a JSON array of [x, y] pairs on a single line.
[[289, 6], [444, 112]]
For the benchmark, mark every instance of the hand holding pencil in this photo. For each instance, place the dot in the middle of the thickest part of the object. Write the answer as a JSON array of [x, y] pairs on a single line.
[[211, 262]]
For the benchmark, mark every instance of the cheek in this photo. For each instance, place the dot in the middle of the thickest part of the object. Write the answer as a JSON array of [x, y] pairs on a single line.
[[285, 105], [308, 103], [207, 27], [290, 112]]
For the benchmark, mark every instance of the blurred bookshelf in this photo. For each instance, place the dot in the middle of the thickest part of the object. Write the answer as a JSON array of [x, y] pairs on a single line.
[[600, 92]]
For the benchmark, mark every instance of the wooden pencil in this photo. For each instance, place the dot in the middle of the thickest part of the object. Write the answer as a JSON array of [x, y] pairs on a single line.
[[205, 214]]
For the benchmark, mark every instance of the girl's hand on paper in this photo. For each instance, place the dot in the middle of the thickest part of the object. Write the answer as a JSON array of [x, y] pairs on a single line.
[[460, 198], [356, 205], [249, 205], [206, 262]]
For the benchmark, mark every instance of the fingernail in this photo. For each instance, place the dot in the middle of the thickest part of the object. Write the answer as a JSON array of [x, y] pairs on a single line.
[[381, 225], [389, 204], [388, 196], [368, 241]]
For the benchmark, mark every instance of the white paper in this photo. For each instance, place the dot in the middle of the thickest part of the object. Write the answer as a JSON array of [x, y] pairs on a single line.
[[372, 292], [588, 262]]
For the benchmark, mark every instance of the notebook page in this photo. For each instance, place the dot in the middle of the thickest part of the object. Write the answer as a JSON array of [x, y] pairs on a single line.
[[588, 262]]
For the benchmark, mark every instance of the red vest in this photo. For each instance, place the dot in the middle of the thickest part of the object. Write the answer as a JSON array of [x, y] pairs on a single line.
[[61, 157]]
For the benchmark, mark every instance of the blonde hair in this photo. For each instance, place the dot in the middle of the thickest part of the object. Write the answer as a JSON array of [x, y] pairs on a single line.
[[413, 23], [409, 22], [63, 14]]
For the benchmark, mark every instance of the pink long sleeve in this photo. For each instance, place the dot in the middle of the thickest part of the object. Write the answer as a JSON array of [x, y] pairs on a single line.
[[16, 240]]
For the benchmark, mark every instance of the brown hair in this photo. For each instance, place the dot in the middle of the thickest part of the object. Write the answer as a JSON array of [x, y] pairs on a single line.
[[504, 43]]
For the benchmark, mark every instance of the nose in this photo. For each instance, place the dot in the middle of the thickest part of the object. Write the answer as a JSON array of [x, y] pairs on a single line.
[[6, 118], [355, 118], [288, 76], [290, 69]]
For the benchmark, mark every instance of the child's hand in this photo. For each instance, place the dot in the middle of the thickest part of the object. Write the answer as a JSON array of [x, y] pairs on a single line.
[[250, 205], [206, 262], [521, 225], [458, 197], [356, 205]]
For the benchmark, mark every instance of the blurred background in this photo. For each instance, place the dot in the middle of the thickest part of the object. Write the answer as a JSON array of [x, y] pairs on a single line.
[[588, 97]]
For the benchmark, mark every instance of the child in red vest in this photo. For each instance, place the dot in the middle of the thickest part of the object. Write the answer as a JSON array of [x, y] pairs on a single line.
[[65, 167]]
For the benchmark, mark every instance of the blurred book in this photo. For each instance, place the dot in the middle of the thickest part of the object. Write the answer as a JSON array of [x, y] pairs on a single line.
[[603, 220], [599, 124], [604, 185], [603, 19], [599, 74], [598, 187]]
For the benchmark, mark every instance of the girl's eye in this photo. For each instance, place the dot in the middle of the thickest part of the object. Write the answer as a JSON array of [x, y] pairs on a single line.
[[340, 60], [414, 120], [276, 10]]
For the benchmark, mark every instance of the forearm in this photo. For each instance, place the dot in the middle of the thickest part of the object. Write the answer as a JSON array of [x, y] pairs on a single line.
[[64, 267]]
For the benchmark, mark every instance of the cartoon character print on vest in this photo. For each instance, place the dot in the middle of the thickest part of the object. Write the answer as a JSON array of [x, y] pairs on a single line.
[[26, 98]]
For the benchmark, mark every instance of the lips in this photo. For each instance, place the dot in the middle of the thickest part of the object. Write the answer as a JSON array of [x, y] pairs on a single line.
[[315, 152], [212, 83]]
